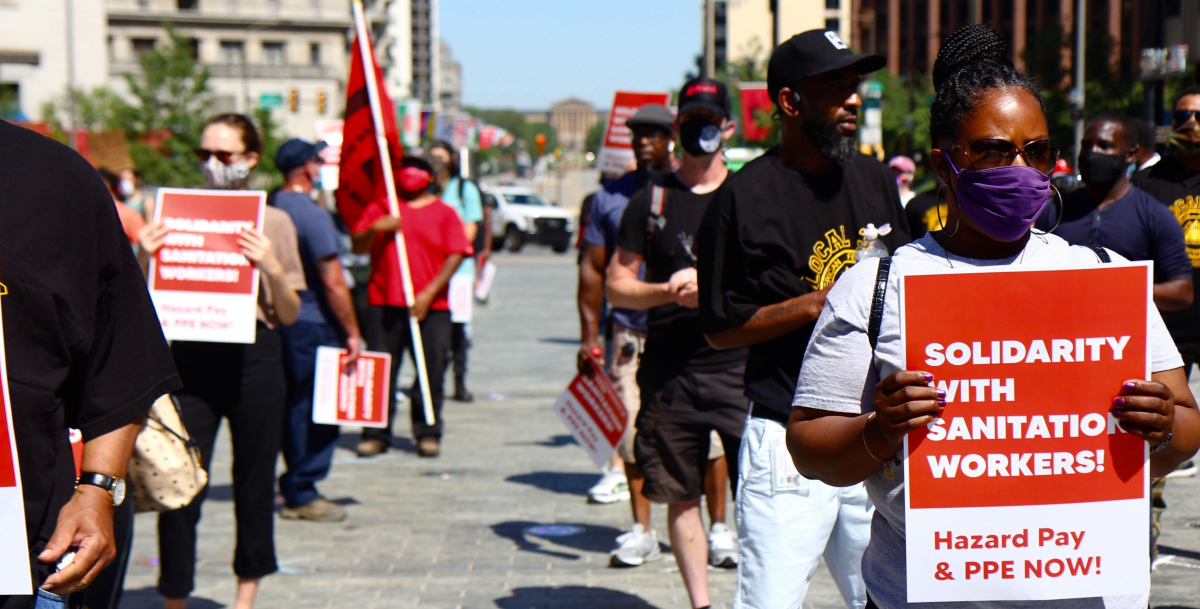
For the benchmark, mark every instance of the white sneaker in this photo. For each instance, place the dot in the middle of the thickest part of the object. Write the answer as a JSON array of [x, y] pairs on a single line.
[[611, 488], [722, 547], [635, 548], [1186, 469]]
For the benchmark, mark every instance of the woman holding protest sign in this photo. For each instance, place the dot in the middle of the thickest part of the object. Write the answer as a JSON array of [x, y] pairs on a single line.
[[243, 383], [855, 403]]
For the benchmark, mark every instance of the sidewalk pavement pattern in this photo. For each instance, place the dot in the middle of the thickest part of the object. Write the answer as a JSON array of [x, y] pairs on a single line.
[[501, 519]]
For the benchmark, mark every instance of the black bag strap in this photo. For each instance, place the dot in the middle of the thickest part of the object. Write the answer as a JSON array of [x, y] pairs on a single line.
[[881, 282], [654, 219], [1101, 253]]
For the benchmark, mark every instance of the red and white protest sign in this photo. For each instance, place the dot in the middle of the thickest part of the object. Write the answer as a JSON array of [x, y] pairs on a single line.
[[330, 131], [616, 151], [351, 395], [15, 577], [592, 409], [203, 287], [1025, 488]]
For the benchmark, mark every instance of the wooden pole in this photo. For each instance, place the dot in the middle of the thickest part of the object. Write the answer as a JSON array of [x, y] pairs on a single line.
[[418, 345]]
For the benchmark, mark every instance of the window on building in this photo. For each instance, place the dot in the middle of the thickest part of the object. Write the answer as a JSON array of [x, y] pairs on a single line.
[[314, 54], [187, 5], [233, 52], [833, 25], [194, 48], [143, 4], [833, 5], [10, 100], [273, 54], [273, 7], [315, 6], [142, 46]]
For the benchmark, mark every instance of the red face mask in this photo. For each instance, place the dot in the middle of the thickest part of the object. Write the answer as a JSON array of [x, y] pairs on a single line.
[[413, 180]]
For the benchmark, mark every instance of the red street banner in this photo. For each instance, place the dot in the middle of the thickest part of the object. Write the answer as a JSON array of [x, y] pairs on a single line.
[[360, 176], [616, 151], [592, 409], [203, 287], [1026, 488], [351, 395], [755, 99]]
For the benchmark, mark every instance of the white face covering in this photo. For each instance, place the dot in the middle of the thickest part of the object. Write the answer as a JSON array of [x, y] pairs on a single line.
[[225, 177], [127, 188]]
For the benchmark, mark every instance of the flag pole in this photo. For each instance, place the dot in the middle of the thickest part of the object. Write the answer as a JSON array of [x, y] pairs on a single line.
[[418, 346]]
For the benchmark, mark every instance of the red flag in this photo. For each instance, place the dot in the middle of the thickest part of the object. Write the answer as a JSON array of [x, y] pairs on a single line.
[[361, 172], [754, 98]]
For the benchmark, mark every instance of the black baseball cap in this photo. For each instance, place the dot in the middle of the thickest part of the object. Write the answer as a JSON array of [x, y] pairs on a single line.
[[704, 93], [814, 52], [295, 153], [653, 115]]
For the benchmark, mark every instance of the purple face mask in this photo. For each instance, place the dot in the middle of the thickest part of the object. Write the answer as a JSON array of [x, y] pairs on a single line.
[[1003, 201]]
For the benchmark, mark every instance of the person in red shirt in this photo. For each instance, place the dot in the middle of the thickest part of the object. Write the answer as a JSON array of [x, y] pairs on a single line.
[[436, 244]]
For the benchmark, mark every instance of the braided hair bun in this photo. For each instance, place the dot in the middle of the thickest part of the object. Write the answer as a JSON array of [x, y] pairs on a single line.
[[972, 62]]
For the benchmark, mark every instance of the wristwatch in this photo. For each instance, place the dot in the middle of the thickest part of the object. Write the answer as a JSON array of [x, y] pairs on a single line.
[[114, 486]]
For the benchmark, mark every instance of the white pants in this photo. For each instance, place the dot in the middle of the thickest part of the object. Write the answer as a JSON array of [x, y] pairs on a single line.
[[786, 523]]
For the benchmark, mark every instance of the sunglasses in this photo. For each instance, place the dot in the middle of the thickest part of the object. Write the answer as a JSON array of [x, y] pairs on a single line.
[[989, 153], [1180, 117], [224, 157]]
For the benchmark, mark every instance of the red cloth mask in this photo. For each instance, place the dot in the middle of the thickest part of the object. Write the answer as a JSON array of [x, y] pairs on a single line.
[[413, 180]]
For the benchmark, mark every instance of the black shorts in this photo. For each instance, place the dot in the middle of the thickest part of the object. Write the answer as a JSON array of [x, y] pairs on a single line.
[[675, 425]]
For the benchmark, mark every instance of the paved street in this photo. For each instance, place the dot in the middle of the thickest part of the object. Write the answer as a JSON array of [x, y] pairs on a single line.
[[473, 528]]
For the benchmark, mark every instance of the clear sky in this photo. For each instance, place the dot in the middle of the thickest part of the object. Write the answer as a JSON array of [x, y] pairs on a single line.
[[527, 54]]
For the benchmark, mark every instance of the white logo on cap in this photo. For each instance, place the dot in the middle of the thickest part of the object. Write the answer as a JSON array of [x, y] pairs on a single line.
[[836, 40]]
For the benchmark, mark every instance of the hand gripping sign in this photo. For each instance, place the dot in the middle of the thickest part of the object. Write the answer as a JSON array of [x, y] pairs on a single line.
[[592, 409], [616, 151], [204, 289], [1025, 488], [351, 395]]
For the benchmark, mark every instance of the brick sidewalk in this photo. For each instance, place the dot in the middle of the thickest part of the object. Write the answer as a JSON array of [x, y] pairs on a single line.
[[455, 531]]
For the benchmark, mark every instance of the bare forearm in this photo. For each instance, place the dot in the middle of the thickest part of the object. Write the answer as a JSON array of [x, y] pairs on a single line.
[[590, 300], [471, 229], [360, 243], [1174, 294], [338, 297], [831, 448], [442, 279], [630, 293], [109, 454], [771, 321], [287, 301]]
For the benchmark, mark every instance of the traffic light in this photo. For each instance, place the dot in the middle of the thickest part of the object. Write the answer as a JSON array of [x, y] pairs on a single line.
[[540, 140], [320, 102], [293, 99]]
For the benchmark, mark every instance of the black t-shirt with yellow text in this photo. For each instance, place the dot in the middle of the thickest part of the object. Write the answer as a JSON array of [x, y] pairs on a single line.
[[772, 234], [1179, 189]]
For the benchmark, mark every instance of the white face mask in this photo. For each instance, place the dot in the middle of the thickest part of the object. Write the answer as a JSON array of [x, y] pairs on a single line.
[[225, 177], [127, 188]]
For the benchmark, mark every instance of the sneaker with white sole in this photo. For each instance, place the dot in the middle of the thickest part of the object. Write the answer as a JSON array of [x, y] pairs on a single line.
[[635, 548], [611, 488], [1186, 469], [722, 547]]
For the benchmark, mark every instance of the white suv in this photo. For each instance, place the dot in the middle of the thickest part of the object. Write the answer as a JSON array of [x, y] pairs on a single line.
[[520, 216]]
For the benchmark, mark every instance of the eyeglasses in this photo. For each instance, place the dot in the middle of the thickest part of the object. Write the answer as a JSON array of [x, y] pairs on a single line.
[[224, 157], [1180, 117], [988, 153]]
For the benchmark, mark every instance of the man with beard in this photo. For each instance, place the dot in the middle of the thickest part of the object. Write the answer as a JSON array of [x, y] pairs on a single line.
[[771, 245]]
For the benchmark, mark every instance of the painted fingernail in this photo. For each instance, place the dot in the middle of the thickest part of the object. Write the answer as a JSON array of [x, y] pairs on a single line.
[[941, 393], [1118, 413], [1130, 385], [941, 403], [1119, 402], [928, 377]]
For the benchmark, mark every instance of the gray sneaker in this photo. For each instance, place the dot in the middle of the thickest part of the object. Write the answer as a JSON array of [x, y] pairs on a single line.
[[635, 548], [319, 509], [722, 547]]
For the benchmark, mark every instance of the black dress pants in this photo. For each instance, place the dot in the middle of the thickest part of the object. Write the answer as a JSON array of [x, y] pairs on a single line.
[[460, 343], [243, 384], [392, 333]]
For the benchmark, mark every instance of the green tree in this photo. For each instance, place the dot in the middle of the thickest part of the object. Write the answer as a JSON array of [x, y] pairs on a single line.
[[269, 176], [532, 131], [595, 137], [9, 106], [171, 102], [100, 109]]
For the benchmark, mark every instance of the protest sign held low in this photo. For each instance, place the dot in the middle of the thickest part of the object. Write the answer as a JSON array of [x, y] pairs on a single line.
[[1025, 487], [351, 395], [592, 409], [203, 288], [15, 577]]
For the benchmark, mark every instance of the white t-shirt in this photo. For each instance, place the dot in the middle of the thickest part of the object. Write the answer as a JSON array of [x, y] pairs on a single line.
[[839, 375]]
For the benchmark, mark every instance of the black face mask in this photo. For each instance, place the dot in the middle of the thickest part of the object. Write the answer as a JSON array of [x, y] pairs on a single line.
[[1102, 170], [700, 137]]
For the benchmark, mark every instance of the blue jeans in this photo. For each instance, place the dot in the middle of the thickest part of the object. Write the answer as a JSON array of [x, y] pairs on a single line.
[[46, 600], [307, 446]]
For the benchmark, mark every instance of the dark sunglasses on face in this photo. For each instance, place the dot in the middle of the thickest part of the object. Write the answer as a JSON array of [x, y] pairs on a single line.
[[224, 157], [1180, 117], [989, 153]]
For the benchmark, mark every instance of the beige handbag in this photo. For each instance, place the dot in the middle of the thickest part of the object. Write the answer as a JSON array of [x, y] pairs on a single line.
[[165, 472]]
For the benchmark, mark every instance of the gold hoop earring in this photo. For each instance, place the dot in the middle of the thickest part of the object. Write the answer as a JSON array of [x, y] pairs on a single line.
[[1061, 209], [957, 218]]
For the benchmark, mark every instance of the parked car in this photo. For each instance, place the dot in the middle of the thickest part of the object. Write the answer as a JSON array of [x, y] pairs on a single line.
[[520, 216]]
